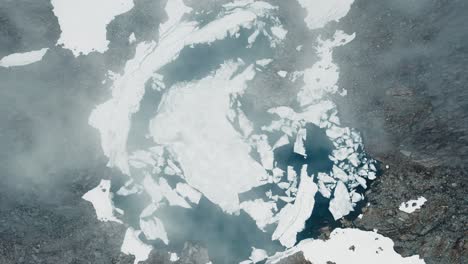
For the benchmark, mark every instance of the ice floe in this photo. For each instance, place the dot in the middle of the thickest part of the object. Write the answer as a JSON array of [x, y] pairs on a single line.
[[293, 216], [262, 212]]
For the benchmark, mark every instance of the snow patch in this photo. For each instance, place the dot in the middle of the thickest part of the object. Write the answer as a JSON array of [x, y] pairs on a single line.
[[132, 245], [412, 205], [101, 198], [22, 59], [319, 13], [83, 23], [348, 246]]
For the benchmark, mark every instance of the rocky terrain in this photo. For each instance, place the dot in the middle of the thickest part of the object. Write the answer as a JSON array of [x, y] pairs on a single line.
[[406, 77]]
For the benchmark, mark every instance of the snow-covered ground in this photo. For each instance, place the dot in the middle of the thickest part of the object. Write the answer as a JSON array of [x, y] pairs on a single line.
[[348, 246], [83, 23]]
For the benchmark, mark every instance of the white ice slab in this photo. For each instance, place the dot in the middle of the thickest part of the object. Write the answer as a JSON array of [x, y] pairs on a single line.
[[22, 59]]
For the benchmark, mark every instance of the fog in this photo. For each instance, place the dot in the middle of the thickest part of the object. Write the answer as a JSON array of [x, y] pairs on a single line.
[[47, 146]]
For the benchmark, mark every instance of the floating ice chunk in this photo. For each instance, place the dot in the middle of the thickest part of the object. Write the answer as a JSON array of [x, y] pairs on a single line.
[[101, 199], [282, 74], [161, 190], [341, 204], [153, 189], [128, 189], [299, 48], [325, 178], [354, 159], [188, 192], [263, 62], [132, 245], [277, 172], [319, 13], [291, 174], [342, 153], [325, 184], [260, 211], [335, 132], [171, 195], [286, 199], [361, 181], [264, 150], [174, 167], [22, 59], [253, 37], [324, 190], [279, 32], [153, 229], [89, 34], [299, 147], [149, 210], [340, 174], [356, 197], [293, 216], [258, 255], [412, 205], [347, 246]]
